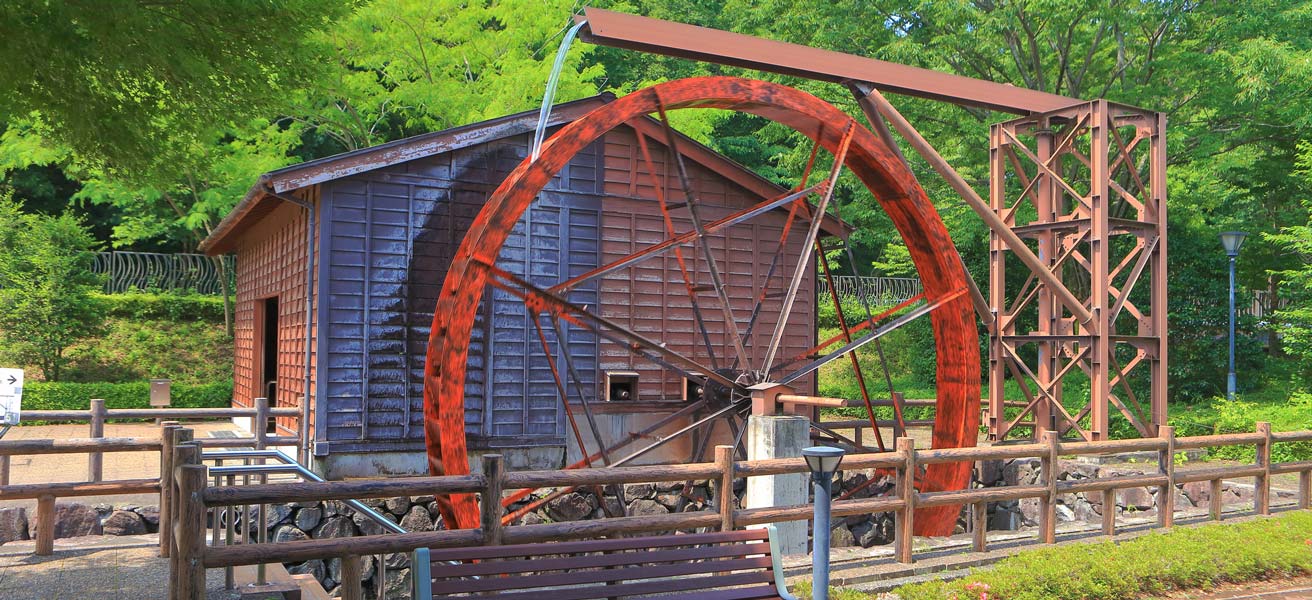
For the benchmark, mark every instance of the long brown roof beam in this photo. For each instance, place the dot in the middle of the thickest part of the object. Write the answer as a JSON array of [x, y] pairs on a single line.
[[620, 30]]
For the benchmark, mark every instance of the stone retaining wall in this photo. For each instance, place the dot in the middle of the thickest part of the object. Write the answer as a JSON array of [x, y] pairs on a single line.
[[73, 519]]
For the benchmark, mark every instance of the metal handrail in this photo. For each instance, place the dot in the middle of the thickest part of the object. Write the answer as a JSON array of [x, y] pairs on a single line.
[[288, 465]]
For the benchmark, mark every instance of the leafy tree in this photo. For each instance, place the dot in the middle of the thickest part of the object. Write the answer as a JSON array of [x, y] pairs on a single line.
[[132, 86], [45, 288]]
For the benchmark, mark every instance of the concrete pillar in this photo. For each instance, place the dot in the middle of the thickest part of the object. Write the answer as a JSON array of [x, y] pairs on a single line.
[[779, 437]]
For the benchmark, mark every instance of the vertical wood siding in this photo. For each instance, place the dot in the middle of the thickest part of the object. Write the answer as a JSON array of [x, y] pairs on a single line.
[[271, 263], [392, 233]]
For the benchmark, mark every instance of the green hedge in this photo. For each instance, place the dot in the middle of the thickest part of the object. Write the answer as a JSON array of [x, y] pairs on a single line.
[[1152, 564], [136, 394], [172, 307]]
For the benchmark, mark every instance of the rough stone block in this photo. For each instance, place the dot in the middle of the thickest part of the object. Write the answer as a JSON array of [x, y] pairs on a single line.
[[123, 522], [13, 524]]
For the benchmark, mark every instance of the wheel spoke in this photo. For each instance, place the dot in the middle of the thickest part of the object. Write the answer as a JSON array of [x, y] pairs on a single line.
[[805, 259], [578, 385], [564, 396], [603, 327], [665, 440], [688, 283], [684, 238], [730, 323], [783, 242], [869, 337], [847, 337]]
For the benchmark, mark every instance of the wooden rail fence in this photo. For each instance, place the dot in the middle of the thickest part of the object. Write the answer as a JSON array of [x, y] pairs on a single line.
[[96, 446], [193, 497]]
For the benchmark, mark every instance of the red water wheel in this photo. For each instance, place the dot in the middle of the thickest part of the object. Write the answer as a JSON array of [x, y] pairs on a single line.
[[747, 348]]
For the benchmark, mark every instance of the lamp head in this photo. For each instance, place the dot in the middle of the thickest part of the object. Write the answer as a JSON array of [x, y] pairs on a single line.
[[822, 459], [1232, 241]]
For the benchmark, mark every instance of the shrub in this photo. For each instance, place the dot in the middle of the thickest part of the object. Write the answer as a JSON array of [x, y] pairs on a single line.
[[137, 349], [171, 307], [1239, 416], [45, 287], [136, 394], [1155, 563]]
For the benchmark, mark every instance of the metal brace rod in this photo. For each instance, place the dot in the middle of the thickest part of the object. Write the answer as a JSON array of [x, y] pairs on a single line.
[[876, 106]]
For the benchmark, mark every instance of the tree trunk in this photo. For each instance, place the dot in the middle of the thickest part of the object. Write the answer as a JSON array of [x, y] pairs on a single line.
[[227, 294], [1272, 304]]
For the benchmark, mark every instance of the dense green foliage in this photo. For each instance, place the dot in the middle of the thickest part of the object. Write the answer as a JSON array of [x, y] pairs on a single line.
[[1154, 563], [45, 288], [135, 349], [40, 395], [299, 80], [170, 307]]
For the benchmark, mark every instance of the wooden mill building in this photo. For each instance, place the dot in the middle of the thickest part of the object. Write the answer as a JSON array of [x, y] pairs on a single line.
[[340, 261]]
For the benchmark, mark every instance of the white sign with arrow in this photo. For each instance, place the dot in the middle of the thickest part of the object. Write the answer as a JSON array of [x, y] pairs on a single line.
[[11, 395]]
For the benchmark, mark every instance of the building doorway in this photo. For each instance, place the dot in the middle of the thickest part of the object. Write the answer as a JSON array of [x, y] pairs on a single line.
[[268, 380]]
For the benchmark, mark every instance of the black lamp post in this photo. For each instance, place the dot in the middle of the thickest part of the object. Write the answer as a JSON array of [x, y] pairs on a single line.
[[1232, 241], [823, 462]]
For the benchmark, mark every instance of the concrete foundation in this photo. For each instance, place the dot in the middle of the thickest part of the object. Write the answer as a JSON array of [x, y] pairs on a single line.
[[779, 437], [352, 465]]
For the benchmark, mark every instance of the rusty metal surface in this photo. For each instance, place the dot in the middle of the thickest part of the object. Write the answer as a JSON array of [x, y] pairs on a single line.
[[1091, 175], [894, 187], [645, 34]]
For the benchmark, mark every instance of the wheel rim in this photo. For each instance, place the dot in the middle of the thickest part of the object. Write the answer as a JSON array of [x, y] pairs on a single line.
[[943, 277]]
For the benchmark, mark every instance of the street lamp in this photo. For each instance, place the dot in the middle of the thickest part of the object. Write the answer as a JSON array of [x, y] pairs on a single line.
[[823, 462], [1232, 241]]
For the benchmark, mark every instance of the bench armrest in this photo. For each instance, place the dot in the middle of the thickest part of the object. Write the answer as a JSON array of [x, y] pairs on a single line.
[[421, 575], [777, 564]]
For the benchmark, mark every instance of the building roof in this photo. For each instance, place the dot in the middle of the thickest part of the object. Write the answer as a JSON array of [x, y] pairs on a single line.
[[276, 186]]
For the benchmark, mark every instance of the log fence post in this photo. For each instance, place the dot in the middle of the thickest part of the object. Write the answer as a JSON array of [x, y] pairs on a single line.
[[188, 576], [260, 423], [904, 519], [979, 526], [352, 577], [1166, 464], [182, 438], [4, 470], [45, 525], [1048, 478], [1109, 512], [724, 502], [167, 432], [1214, 501], [494, 470], [1262, 483], [1305, 489], [96, 460]]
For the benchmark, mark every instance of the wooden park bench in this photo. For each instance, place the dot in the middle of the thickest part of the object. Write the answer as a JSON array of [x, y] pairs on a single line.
[[730, 565]]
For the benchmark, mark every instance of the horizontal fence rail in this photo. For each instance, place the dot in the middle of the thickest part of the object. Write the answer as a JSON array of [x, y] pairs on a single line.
[[905, 462], [95, 446]]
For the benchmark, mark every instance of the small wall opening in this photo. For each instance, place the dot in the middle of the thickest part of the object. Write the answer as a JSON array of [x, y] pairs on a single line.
[[269, 355]]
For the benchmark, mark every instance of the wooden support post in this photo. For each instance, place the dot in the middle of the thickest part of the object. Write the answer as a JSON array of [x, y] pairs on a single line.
[[45, 525], [167, 433], [980, 526], [1109, 512], [1048, 478], [495, 471], [182, 449], [1166, 464], [96, 460], [4, 470], [188, 578], [1305, 489], [724, 501], [260, 424], [1262, 483], [904, 519], [352, 577], [1214, 503]]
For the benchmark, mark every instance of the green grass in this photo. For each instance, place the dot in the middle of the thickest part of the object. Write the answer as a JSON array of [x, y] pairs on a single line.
[[1196, 557]]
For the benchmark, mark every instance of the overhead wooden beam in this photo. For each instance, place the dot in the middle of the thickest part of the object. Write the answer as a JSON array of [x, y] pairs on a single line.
[[645, 34]]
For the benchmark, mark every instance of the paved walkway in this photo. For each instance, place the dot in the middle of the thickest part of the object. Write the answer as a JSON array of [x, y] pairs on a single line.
[[116, 568]]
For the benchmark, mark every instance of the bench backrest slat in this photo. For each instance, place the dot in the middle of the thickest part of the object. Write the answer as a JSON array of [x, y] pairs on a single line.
[[643, 588], [635, 571], [741, 593], [530, 564], [485, 552]]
